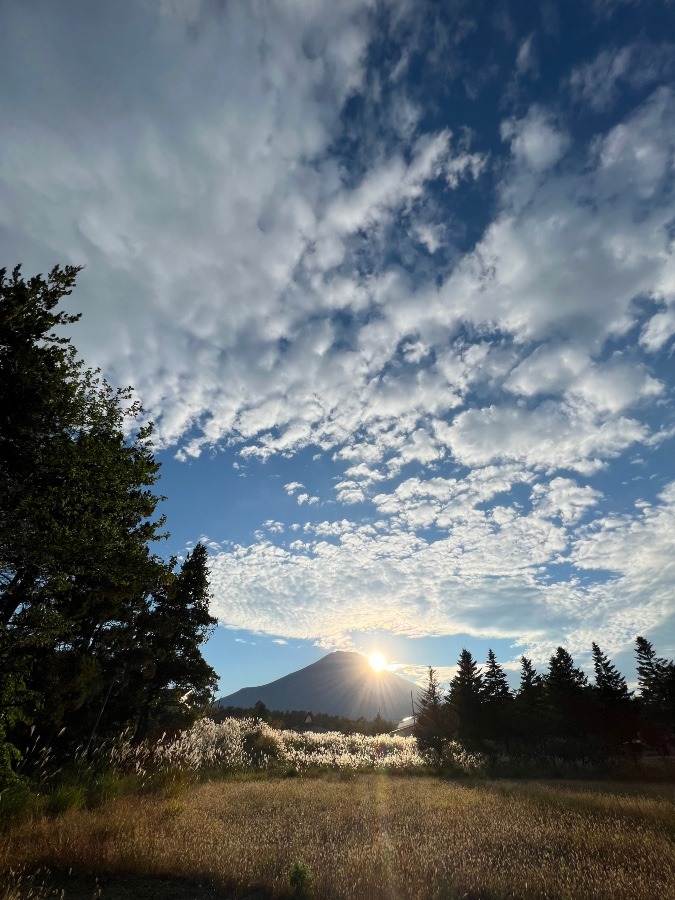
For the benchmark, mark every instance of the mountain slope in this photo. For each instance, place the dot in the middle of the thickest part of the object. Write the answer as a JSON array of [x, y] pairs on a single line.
[[340, 684]]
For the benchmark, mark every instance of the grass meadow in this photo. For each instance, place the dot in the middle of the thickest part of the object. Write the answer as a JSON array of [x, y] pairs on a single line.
[[363, 835], [240, 810]]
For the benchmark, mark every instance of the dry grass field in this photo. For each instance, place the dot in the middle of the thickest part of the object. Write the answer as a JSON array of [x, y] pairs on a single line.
[[362, 836]]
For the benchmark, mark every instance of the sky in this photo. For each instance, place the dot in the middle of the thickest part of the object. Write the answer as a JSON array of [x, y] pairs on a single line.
[[395, 282]]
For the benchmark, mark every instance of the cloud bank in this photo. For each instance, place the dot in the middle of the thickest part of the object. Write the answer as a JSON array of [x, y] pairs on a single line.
[[289, 245]]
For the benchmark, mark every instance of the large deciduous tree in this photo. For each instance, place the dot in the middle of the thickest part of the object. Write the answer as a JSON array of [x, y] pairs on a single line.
[[85, 604]]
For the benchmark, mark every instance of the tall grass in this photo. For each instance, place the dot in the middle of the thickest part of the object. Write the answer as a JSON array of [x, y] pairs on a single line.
[[374, 835], [248, 744]]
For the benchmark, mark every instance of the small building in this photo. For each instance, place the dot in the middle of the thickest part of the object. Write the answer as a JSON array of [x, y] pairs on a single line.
[[310, 726], [405, 728]]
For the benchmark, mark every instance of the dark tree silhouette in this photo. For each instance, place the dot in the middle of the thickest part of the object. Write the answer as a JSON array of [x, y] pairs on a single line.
[[84, 603], [569, 698], [616, 724], [464, 700], [431, 721], [656, 678], [496, 701], [530, 706], [610, 685]]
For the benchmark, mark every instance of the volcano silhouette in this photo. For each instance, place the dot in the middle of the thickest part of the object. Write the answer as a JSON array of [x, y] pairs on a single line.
[[340, 684]]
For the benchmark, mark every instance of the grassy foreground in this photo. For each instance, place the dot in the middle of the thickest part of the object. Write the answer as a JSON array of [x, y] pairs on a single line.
[[371, 836]]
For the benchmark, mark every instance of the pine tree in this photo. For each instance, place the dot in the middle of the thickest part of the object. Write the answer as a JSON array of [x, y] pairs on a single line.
[[430, 723], [495, 684], [567, 689], [564, 679], [615, 724], [651, 671], [464, 700], [610, 685], [531, 683], [656, 677], [531, 708], [496, 700]]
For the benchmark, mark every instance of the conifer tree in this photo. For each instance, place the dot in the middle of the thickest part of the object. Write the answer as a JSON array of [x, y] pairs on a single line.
[[566, 689], [496, 700], [531, 705], [656, 677], [615, 724], [430, 723], [464, 700], [610, 685], [564, 679], [531, 683]]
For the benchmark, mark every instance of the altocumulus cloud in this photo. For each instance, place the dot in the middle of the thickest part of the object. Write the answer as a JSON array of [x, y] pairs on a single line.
[[291, 243]]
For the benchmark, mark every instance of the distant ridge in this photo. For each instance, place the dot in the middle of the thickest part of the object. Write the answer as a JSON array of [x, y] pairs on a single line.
[[340, 684]]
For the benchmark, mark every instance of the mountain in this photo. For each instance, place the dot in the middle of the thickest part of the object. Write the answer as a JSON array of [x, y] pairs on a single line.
[[340, 684]]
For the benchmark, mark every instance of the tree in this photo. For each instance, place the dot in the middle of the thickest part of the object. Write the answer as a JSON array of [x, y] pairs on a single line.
[[564, 679], [176, 679], [464, 699], [567, 692], [81, 593], [610, 685], [656, 677], [531, 705], [430, 722], [616, 723], [496, 700]]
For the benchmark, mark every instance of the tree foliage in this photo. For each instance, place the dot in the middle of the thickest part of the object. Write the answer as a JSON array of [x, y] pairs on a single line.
[[496, 700], [465, 699], [430, 718], [558, 713], [90, 617]]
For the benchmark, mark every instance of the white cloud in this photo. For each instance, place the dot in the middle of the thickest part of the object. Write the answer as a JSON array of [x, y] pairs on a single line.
[[526, 59], [535, 140], [609, 386], [484, 578], [259, 294], [659, 330], [306, 498], [565, 498], [599, 83], [551, 436], [273, 526]]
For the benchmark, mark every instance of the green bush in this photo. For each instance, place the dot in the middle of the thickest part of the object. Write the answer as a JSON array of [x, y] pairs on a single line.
[[16, 801], [65, 797], [261, 748], [103, 788], [299, 878]]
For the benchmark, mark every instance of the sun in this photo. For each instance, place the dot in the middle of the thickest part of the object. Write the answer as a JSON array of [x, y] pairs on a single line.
[[377, 661]]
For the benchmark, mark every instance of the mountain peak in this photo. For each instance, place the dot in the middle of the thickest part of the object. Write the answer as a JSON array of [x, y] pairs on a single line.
[[342, 683]]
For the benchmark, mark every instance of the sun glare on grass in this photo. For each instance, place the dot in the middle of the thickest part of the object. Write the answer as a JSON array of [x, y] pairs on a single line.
[[377, 661]]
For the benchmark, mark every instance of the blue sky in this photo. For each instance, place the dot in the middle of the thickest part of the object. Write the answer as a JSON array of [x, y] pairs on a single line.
[[395, 282]]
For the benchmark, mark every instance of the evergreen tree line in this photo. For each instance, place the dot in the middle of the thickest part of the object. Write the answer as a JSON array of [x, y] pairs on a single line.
[[98, 634], [560, 712]]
